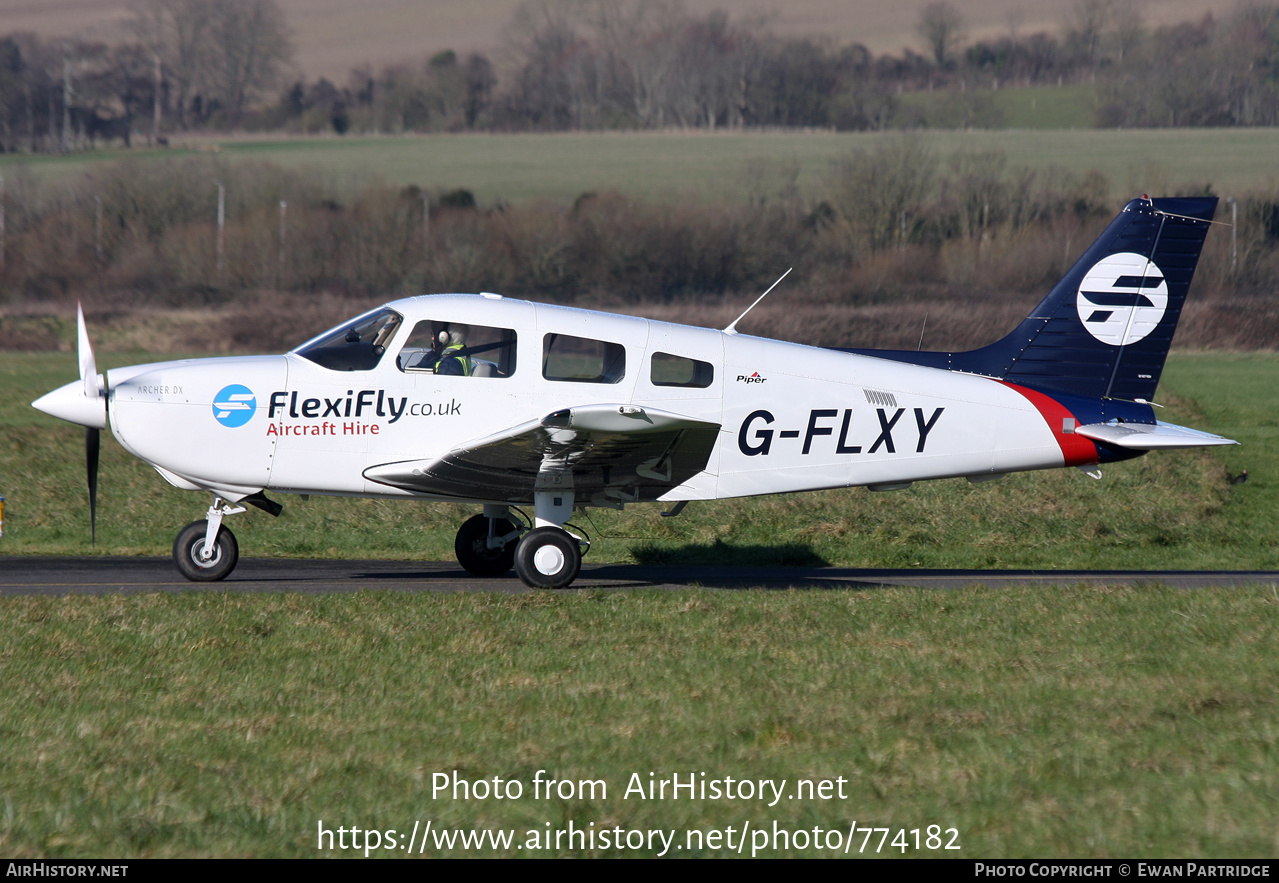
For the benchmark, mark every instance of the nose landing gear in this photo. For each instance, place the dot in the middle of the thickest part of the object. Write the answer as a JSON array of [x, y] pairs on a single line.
[[205, 551]]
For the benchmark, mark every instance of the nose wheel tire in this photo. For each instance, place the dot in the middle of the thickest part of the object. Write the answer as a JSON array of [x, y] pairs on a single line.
[[473, 552], [548, 558], [189, 545]]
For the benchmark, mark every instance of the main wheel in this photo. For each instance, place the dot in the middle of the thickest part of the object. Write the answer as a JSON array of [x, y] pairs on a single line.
[[547, 558], [473, 552], [190, 543]]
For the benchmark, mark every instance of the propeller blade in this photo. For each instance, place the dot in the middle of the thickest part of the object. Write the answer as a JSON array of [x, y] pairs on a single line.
[[84, 349], [92, 442]]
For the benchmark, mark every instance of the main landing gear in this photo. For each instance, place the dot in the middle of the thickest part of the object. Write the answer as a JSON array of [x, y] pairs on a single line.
[[545, 557], [548, 558], [486, 544]]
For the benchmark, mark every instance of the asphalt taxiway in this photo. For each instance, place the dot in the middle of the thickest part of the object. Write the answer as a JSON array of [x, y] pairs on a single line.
[[20, 575]]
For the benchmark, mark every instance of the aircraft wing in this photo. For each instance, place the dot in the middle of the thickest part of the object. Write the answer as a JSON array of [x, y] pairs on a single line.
[[1148, 437], [613, 452]]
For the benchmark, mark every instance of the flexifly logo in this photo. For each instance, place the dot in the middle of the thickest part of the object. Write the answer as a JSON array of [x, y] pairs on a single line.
[[365, 403], [753, 378], [1122, 298], [234, 405]]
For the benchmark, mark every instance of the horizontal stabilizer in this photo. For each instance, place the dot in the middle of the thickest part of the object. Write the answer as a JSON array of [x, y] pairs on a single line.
[[1148, 437]]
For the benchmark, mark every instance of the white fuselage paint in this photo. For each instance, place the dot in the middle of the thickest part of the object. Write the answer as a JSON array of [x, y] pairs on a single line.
[[793, 417]]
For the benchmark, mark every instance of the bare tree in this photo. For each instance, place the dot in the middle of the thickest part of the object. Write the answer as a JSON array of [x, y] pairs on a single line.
[[148, 25], [876, 192], [1087, 24], [1128, 26], [177, 33], [251, 46], [554, 67], [942, 26], [228, 51]]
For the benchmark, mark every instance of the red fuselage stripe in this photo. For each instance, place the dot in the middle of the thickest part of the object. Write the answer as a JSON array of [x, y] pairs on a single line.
[[1075, 449]]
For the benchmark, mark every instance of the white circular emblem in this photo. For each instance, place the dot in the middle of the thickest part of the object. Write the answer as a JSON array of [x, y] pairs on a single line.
[[1122, 298]]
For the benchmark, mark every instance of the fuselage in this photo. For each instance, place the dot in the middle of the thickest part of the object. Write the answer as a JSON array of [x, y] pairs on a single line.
[[792, 417]]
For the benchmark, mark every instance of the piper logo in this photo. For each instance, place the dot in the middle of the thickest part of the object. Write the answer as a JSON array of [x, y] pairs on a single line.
[[234, 405], [753, 378], [1122, 298]]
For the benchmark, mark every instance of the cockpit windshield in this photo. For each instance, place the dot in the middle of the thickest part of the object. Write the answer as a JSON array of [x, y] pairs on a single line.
[[356, 346]]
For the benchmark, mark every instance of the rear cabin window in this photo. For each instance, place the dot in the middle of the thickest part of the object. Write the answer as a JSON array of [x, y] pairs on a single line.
[[668, 370], [453, 348], [358, 346], [582, 360]]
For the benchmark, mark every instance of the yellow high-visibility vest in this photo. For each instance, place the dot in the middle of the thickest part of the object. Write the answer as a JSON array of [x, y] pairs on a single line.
[[451, 352]]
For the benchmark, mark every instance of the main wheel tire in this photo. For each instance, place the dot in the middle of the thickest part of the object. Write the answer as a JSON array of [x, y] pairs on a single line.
[[547, 558], [473, 553], [190, 543]]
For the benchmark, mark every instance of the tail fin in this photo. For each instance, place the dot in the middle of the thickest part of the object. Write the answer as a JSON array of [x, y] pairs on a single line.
[[1104, 330]]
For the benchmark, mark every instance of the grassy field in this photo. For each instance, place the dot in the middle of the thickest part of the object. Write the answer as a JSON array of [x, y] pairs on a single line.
[[1041, 722], [709, 166], [1041, 107], [1036, 722]]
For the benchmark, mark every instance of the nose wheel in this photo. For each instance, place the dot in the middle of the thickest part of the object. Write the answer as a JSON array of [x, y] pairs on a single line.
[[548, 558], [206, 551], [190, 556]]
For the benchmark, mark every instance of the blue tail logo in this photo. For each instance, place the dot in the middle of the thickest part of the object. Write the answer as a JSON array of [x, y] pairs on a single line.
[[1122, 299]]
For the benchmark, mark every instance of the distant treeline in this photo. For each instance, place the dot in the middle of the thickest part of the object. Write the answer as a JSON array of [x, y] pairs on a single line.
[[896, 222], [623, 64]]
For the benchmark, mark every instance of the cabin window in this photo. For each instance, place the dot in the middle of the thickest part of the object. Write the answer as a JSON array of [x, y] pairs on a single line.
[[668, 370], [356, 346], [582, 360], [457, 349]]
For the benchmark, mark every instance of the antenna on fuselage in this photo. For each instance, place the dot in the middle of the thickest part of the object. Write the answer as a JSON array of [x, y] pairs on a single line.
[[732, 326]]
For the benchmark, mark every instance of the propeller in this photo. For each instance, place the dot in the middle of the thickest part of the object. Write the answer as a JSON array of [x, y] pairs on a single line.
[[84, 353], [85, 403], [92, 441], [92, 435]]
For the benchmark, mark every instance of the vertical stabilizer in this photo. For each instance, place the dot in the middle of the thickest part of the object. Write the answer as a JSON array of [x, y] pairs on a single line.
[[1104, 330]]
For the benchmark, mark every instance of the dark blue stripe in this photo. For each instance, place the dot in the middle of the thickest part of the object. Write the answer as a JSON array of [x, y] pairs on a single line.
[[1139, 282], [1117, 299]]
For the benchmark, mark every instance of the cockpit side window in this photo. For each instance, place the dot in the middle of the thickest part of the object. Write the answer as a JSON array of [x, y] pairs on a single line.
[[357, 346], [458, 349], [582, 360]]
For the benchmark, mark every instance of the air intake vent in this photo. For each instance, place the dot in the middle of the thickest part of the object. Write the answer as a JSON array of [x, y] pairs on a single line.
[[875, 397]]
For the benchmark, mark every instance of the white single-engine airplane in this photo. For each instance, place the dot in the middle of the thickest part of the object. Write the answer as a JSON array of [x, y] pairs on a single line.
[[500, 402]]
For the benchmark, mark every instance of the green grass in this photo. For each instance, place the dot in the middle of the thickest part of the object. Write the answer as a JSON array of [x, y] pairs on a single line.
[[1168, 510], [1047, 107], [715, 166], [1034, 108], [1038, 722]]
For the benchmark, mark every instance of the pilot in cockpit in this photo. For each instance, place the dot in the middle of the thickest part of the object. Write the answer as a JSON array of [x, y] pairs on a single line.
[[449, 346]]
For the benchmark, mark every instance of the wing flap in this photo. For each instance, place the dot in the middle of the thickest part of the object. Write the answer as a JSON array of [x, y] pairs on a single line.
[[633, 453], [1148, 437]]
